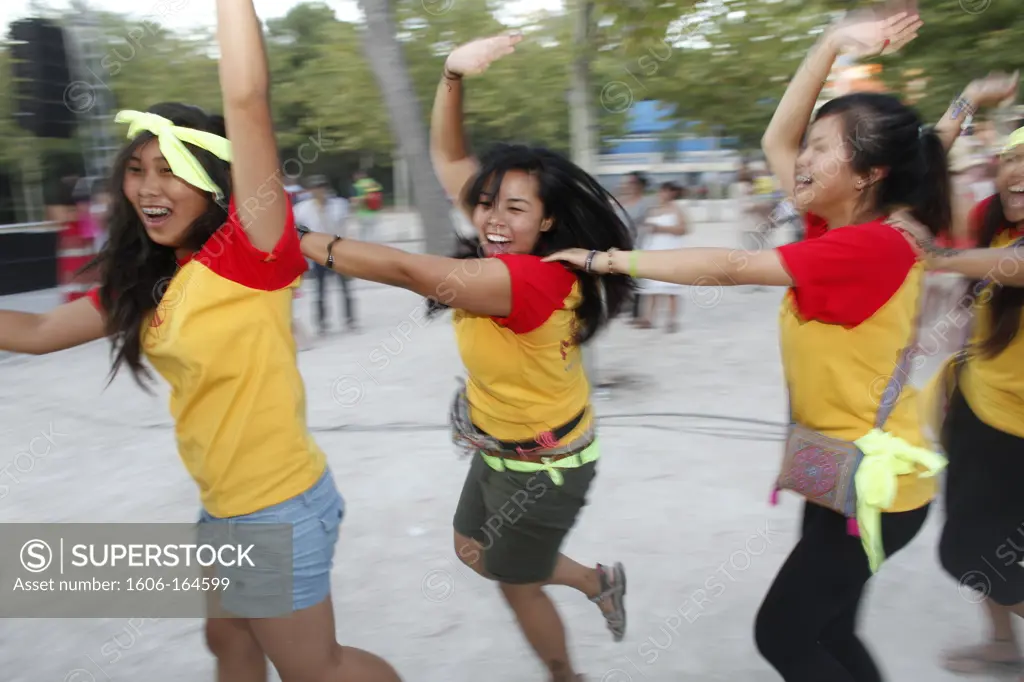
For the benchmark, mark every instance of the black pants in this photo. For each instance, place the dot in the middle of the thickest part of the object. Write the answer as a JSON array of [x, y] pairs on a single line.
[[806, 627], [322, 274], [982, 543]]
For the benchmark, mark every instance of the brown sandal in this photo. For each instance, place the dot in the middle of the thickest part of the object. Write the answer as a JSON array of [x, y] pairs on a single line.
[[613, 587]]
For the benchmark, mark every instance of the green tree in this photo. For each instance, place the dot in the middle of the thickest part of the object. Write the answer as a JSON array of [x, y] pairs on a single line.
[[961, 40]]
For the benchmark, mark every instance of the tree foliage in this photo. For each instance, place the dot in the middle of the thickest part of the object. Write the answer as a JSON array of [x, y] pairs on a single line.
[[721, 63]]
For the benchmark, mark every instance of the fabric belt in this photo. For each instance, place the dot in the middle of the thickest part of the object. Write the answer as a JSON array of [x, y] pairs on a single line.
[[547, 439], [551, 465]]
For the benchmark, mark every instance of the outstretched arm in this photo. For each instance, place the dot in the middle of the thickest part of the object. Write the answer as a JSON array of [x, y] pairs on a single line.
[[245, 85], [66, 326], [693, 266], [1003, 266], [480, 285]]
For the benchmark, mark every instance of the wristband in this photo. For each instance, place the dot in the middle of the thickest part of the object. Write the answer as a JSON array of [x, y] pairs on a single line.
[[329, 263], [634, 256], [589, 262]]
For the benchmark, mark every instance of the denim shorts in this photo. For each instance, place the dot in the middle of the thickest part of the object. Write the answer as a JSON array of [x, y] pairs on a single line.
[[315, 517]]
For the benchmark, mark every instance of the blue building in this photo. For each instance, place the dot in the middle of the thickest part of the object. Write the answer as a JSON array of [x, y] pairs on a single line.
[[666, 148]]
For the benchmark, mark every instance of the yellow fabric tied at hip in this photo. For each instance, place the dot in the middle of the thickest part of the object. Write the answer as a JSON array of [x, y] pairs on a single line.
[[171, 139], [885, 458]]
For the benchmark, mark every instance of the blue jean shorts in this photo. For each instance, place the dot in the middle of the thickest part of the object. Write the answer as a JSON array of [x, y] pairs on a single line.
[[315, 517]]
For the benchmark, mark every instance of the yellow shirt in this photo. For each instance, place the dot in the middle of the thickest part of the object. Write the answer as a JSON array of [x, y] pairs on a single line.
[[221, 336], [994, 386], [842, 326], [525, 374]]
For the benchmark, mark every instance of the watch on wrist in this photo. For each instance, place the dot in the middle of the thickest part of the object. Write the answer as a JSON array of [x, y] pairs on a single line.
[[302, 230]]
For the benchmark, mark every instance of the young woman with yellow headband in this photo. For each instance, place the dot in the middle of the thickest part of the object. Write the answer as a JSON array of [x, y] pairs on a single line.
[[982, 543], [854, 289], [202, 261], [525, 415]]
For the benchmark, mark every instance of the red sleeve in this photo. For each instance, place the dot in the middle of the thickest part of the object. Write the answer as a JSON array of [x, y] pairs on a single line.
[[94, 296], [231, 255], [976, 218], [538, 290], [814, 226], [846, 275]]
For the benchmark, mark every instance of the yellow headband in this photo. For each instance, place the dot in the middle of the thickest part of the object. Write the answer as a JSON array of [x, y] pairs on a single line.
[[1016, 138], [171, 139]]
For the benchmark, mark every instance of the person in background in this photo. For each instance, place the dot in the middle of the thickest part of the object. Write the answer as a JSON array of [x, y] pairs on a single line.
[[665, 227], [324, 212], [368, 196], [633, 198], [100, 210]]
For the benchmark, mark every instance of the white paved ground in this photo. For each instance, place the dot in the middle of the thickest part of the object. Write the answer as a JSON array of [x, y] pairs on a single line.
[[681, 500]]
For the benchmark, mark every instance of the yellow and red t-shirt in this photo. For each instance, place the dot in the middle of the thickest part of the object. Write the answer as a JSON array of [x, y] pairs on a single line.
[[850, 312], [994, 387], [525, 372], [221, 336]]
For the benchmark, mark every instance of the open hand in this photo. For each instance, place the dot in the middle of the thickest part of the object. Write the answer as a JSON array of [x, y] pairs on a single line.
[[995, 88], [873, 32], [474, 57]]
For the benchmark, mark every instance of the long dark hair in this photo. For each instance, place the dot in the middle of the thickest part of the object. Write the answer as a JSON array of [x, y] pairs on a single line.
[[135, 271], [1006, 302], [585, 216], [885, 133]]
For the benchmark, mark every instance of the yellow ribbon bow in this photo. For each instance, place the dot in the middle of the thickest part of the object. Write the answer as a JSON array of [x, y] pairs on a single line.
[[885, 458], [171, 139]]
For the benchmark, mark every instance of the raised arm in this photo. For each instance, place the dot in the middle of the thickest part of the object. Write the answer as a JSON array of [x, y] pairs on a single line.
[[66, 326], [452, 162], [863, 33], [989, 91], [481, 286], [245, 86], [784, 135]]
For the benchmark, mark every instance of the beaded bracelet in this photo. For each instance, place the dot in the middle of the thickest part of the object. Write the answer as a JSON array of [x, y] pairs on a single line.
[[961, 104]]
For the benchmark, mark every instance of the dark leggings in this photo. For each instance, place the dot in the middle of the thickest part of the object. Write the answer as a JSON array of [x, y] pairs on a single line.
[[806, 627]]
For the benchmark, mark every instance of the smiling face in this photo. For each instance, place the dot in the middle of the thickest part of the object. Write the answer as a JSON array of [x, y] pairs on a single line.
[[825, 180], [1010, 183], [167, 205], [512, 221]]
